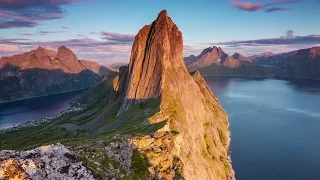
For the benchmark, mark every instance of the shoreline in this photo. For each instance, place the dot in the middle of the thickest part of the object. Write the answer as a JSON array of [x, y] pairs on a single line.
[[21, 99], [37, 122], [265, 77]]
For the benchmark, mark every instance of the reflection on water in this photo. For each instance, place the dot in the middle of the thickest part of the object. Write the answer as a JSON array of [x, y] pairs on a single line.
[[274, 126], [305, 85], [304, 112], [25, 110]]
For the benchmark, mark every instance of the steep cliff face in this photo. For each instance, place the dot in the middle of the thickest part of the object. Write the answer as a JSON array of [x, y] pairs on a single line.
[[44, 72], [157, 71]]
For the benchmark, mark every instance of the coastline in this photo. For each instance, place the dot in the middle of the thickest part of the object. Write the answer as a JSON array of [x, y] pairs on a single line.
[[40, 121], [265, 77], [25, 98]]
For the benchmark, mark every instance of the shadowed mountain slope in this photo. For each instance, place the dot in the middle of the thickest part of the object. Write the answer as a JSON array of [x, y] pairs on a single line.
[[43, 72]]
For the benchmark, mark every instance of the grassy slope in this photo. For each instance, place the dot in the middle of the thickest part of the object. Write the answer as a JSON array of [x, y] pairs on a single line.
[[132, 121]]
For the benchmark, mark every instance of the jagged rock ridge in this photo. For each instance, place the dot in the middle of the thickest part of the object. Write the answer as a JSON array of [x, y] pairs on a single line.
[[157, 71], [215, 55]]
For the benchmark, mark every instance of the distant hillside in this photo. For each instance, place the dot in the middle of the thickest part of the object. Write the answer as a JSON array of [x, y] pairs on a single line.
[[304, 63], [43, 72], [212, 55]]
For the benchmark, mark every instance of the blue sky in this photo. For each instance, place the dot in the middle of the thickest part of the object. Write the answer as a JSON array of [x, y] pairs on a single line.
[[103, 30]]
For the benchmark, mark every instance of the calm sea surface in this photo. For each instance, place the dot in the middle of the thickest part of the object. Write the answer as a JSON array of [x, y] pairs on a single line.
[[275, 127], [25, 110], [275, 124]]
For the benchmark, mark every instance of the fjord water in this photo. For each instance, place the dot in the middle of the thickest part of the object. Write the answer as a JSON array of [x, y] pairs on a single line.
[[275, 126], [19, 112]]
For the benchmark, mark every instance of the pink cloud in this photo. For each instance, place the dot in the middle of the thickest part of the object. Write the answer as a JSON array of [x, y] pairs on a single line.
[[40, 16], [117, 36], [26, 13], [247, 6]]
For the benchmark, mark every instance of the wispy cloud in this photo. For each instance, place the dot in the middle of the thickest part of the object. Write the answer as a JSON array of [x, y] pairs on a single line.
[[28, 13], [248, 6], [64, 27], [276, 9], [285, 43], [42, 33], [191, 50], [17, 24], [288, 39], [116, 47], [112, 36]]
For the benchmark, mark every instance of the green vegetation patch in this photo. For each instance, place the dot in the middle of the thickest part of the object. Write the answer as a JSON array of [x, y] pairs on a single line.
[[139, 166]]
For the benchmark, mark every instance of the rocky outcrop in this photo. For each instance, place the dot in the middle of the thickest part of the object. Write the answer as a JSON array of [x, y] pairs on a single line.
[[43, 72], [46, 162], [157, 71], [162, 155]]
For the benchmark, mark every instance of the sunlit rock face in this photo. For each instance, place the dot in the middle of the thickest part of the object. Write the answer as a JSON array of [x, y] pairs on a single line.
[[157, 71], [42, 72], [215, 55], [45, 162]]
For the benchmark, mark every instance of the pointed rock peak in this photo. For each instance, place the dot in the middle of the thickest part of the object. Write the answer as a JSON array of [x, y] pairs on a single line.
[[236, 55], [163, 14], [62, 50], [205, 51], [43, 51], [40, 48], [157, 72], [217, 49], [68, 57], [156, 49]]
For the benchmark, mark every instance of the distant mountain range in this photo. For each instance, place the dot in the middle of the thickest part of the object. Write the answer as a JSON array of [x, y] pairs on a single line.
[[44, 72], [304, 63]]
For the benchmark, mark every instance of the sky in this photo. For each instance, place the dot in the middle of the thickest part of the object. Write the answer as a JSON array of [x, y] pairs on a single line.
[[104, 30]]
